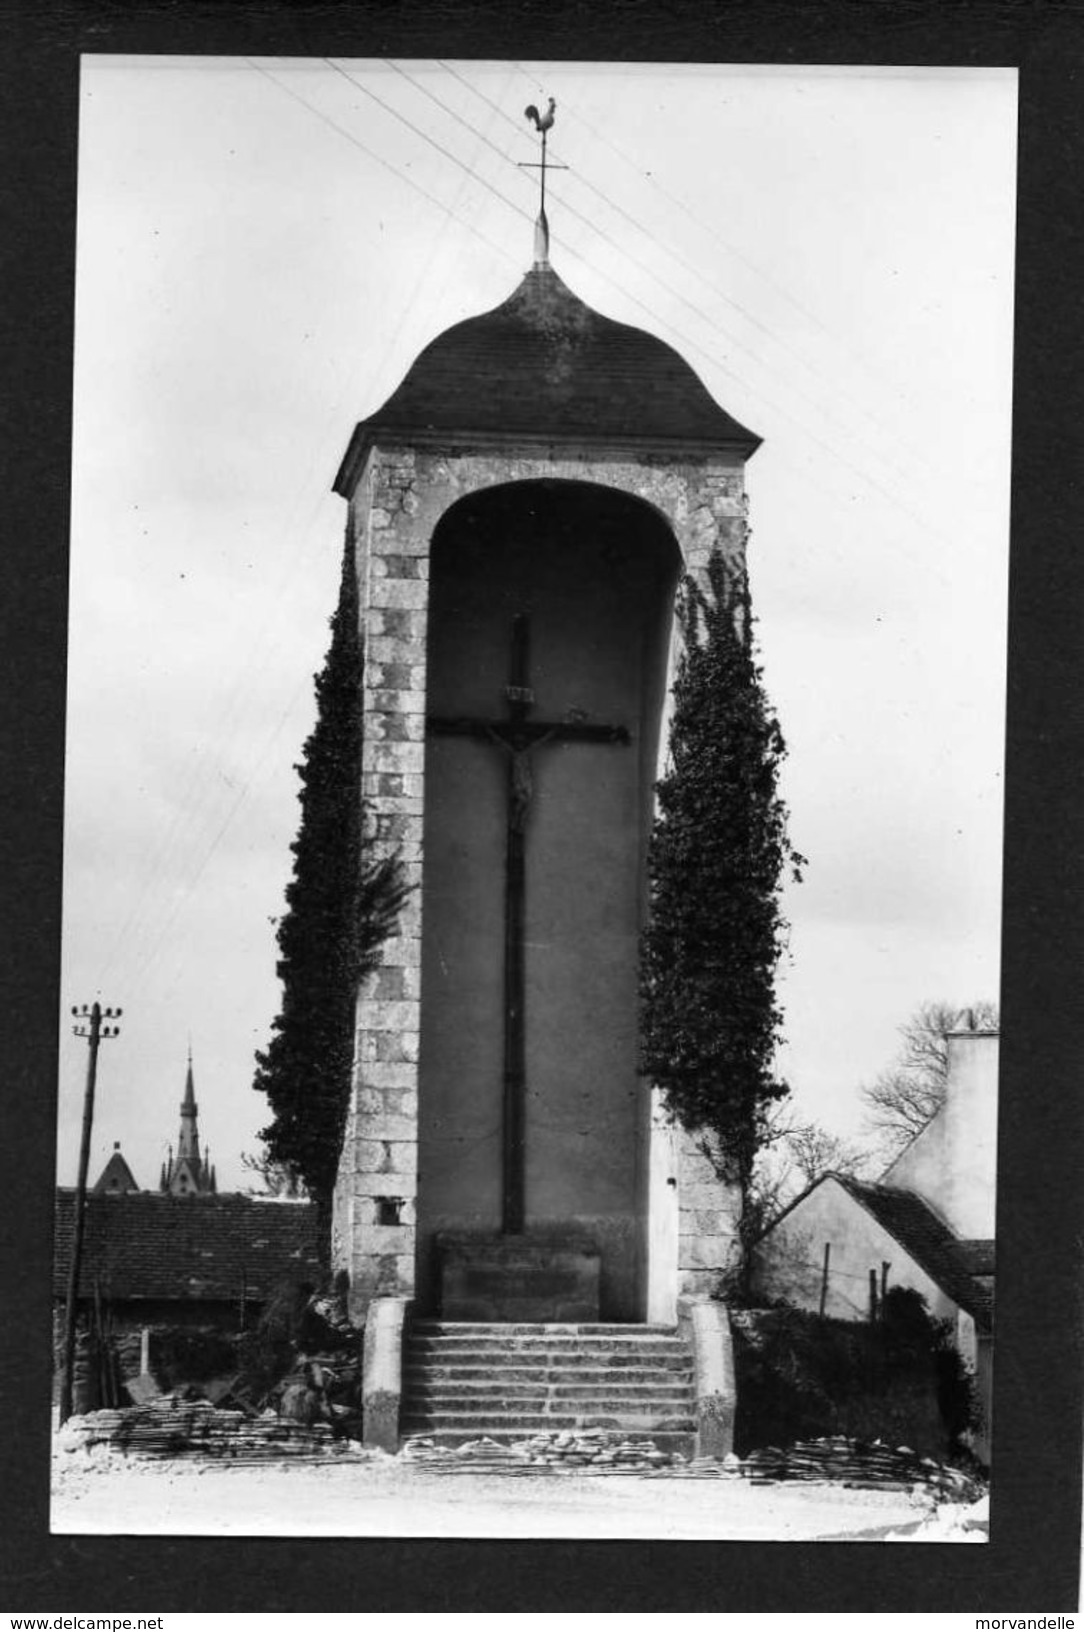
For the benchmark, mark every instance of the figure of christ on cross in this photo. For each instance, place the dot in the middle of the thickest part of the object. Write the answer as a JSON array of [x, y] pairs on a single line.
[[519, 737]]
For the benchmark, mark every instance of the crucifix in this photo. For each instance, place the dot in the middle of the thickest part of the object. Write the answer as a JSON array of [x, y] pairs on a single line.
[[518, 736]]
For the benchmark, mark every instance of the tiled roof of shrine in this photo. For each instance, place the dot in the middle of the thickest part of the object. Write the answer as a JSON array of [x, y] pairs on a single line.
[[545, 365]]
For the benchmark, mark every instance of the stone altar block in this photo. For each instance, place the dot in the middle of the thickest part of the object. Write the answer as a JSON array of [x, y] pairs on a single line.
[[518, 1277]]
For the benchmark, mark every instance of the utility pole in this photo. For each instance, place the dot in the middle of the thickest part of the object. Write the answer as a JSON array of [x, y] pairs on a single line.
[[89, 1026]]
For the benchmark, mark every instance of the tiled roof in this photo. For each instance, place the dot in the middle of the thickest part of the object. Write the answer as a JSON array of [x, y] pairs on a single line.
[[146, 1245], [979, 1256], [929, 1241], [116, 1175], [544, 364]]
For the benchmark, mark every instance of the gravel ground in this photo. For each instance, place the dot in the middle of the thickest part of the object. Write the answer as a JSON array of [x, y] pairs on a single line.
[[102, 1492]]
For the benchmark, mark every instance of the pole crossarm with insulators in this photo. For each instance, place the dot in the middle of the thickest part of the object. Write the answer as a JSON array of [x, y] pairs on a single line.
[[89, 1025]]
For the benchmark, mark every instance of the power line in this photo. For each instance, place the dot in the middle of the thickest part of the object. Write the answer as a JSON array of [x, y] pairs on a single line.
[[449, 212], [611, 202], [760, 272], [717, 362], [400, 175], [226, 823], [432, 141], [191, 810], [686, 340], [197, 808], [471, 176]]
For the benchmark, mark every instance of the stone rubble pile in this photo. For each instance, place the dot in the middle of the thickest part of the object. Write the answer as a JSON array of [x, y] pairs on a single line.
[[174, 1426], [598, 1450], [594, 1450], [859, 1465]]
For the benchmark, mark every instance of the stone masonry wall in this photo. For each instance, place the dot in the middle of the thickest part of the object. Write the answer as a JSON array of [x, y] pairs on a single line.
[[708, 1217], [399, 500]]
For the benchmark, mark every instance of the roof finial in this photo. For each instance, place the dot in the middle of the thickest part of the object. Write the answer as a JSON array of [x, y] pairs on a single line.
[[542, 122]]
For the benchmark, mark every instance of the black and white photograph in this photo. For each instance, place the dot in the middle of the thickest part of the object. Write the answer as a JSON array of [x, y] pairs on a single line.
[[530, 997]]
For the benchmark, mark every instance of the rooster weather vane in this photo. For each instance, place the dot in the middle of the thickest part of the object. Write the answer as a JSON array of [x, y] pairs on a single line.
[[542, 122]]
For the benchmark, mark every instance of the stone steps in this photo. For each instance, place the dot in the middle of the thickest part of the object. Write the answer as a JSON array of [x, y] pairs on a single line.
[[483, 1360], [465, 1380], [538, 1342], [605, 1351], [614, 1411], [560, 1370], [498, 1331], [451, 1396], [490, 1424]]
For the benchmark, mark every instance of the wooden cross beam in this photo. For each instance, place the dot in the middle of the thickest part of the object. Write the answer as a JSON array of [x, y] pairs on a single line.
[[518, 736]]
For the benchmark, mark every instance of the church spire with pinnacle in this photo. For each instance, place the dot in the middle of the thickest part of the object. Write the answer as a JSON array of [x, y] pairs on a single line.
[[188, 1139], [187, 1174]]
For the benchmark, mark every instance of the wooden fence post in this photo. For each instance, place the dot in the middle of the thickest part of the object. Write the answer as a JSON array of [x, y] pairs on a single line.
[[824, 1276]]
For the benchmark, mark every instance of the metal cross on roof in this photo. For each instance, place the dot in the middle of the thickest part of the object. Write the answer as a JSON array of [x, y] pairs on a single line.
[[543, 122]]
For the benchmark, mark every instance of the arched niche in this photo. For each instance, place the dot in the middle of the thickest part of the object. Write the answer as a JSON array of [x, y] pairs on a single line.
[[593, 572]]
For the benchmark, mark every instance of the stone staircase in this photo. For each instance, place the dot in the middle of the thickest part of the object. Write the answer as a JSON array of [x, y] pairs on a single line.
[[463, 1381]]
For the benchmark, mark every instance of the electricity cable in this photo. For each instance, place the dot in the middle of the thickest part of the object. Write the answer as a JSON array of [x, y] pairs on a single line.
[[822, 405]]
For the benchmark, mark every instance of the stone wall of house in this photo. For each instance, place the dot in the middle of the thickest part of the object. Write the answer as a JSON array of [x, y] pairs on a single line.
[[401, 496]]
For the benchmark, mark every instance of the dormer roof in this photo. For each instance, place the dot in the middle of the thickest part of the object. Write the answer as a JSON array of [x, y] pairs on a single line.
[[116, 1178]]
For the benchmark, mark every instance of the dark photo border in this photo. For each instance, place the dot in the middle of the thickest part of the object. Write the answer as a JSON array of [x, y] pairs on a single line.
[[1031, 1561]]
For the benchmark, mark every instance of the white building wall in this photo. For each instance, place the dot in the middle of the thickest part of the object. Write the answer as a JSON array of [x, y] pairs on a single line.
[[952, 1164], [789, 1263], [662, 1217]]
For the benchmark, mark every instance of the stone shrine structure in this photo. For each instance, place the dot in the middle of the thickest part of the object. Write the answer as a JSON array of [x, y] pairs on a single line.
[[521, 511]]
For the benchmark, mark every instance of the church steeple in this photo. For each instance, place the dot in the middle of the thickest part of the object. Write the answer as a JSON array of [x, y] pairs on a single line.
[[188, 1174], [188, 1140]]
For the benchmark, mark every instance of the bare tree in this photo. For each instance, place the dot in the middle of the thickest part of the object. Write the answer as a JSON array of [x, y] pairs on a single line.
[[792, 1157], [905, 1096], [277, 1179], [814, 1152]]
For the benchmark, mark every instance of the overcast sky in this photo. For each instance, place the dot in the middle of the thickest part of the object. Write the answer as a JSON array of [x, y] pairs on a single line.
[[263, 248]]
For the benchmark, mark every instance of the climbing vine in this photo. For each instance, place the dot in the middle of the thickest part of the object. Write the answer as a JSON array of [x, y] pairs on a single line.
[[342, 903], [710, 1023]]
